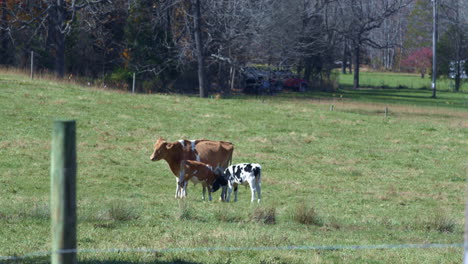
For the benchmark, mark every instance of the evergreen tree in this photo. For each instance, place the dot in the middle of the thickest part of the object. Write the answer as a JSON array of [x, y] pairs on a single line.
[[452, 52], [148, 46], [419, 29]]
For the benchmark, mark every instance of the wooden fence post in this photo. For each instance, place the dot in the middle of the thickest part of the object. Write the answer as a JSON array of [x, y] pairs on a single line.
[[63, 192]]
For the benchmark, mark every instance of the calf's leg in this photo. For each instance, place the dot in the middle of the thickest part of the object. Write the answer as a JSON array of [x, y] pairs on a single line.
[[223, 193], [229, 190], [235, 192], [252, 191]]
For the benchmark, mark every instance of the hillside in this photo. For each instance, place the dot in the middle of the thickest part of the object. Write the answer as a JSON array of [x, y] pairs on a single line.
[[360, 178]]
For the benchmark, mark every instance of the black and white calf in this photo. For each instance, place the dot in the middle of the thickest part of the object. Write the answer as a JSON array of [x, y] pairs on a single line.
[[241, 174]]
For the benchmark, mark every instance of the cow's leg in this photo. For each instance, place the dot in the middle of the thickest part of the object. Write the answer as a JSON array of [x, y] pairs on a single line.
[[182, 179], [235, 192], [209, 194], [177, 191], [203, 192], [184, 189]]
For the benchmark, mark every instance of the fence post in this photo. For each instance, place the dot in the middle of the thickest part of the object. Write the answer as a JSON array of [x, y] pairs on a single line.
[[465, 244], [133, 84], [32, 64], [63, 192], [332, 107], [386, 111]]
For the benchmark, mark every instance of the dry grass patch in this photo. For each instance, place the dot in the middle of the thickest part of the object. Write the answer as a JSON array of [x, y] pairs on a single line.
[[258, 139], [114, 211], [440, 221], [307, 215], [228, 216], [185, 211], [264, 215]]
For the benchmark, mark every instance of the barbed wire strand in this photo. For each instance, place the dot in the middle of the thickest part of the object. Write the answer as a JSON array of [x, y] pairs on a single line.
[[210, 249]]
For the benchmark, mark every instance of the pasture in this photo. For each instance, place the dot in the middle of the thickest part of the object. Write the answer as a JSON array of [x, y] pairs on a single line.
[[345, 177]]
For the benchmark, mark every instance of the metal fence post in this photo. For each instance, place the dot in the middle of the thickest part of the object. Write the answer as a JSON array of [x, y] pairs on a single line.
[[63, 192]]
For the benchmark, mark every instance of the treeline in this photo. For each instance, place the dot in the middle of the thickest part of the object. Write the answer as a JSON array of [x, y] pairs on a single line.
[[203, 45]]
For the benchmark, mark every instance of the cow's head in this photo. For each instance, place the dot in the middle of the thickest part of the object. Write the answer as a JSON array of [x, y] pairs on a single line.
[[220, 179], [160, 149]]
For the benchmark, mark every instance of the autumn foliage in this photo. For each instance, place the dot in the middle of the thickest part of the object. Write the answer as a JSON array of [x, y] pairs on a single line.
[[420, 59]]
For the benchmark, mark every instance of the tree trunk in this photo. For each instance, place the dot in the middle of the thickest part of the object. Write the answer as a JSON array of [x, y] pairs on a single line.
[[60, 56], [56, 18], [357, 51], [350, 64], [199, 48], [345, 58], [4, 54], [458, 57], [434, 50], [458, 72]]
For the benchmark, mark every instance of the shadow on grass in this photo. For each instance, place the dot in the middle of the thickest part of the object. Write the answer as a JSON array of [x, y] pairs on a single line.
[[398, 95], [386, 95], [422, 93], [46, 260]]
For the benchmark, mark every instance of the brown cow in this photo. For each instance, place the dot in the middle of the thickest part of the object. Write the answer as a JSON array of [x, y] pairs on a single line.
[[217, 154]]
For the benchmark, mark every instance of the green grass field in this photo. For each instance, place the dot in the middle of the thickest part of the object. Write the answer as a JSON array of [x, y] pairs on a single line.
[[345, 177]]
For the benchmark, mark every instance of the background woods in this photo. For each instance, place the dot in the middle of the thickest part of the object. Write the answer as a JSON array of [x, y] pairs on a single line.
[[166, 42]]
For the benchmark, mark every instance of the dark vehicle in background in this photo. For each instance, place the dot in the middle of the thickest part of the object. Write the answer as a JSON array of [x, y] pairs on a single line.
[[295, 84], [260, 81]]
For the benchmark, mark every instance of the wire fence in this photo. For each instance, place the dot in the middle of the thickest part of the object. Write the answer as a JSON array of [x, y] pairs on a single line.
[[233, 249]]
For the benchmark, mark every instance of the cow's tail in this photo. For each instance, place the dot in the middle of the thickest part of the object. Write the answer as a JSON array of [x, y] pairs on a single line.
[[258, 176], [258, 183], [229, 163], [182, 172]]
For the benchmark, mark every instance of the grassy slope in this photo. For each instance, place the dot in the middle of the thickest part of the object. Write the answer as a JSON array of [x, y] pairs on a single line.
[[371, 180]]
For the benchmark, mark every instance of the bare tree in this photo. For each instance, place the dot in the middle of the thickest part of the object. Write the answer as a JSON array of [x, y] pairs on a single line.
[[54, 18], [358, 18], [199, 48], [4, 33], [390, 37]]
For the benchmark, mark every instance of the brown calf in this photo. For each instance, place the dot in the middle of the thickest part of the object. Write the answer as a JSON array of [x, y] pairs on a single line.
[[217, 154], [199, 172]]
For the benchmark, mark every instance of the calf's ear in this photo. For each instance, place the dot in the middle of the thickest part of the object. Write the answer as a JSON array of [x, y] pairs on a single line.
[[169, 145]]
